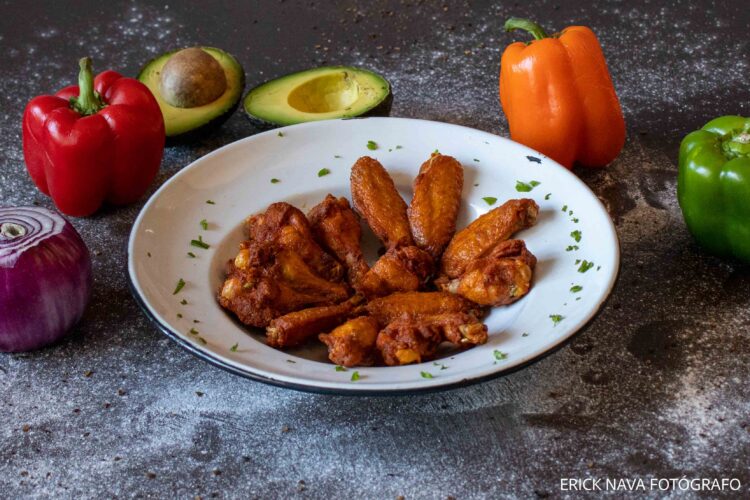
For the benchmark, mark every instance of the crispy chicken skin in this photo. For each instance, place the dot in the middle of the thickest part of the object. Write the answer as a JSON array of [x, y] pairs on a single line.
[[479, 237], [434, 207], [336, 227], [419, 305], [376, 199], [353, 343], [286, 225], [500, 278], [266, 280], [296, 328], [401, 269]]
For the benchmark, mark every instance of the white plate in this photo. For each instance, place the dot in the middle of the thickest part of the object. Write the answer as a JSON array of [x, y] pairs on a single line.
[[237, 178]]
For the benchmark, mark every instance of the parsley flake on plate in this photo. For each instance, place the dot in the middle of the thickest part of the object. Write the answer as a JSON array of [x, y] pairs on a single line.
[[499, 355], [556, 318], [180, 286], [372, 145], [490, 200], [426, 375], [323, 171]]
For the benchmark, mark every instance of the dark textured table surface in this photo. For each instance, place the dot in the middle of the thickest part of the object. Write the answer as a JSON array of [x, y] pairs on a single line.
[[657, 386]]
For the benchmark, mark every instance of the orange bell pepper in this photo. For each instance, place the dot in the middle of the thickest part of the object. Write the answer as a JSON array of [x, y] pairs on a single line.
[[558, 96]]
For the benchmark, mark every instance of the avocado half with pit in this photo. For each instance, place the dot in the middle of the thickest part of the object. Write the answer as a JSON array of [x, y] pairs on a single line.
[[321, 93], [194, 94]]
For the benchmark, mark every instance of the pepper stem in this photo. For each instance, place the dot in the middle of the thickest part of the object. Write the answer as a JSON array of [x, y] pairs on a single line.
[[88, 101], [737, 143], [516, 23]]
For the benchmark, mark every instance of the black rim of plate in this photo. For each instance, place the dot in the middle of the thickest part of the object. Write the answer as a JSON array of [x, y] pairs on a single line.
[[208, 357]]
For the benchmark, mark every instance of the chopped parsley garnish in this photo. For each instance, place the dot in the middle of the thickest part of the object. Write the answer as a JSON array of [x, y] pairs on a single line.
[[204, 224], [179, 315], [576, 235], [193, 331], [183, 302], [191, 255], [180, 286], [476, 160], [280, 134], [565, 208], [149, 254], [575, 221], [490, 200], [399, 147], [323, 171], [523, 187], [556, 318], [337, 156], [442, 366], [436, 152], [499, 355], [546, 196], [525, 334], [211, 202], [355, 376], [585, 266], [275, 181], [372, 145], [291, 361], [576, 288], [534, 159], [571, 248], [340, 368], [426, 375], [578, 261], [200, 243], [202, 340], [234, 347]]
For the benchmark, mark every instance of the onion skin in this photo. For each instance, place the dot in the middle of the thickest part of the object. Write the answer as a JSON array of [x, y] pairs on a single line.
[[45, 278]]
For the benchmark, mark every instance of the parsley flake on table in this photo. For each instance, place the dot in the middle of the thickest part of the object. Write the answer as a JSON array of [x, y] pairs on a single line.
[[234, 347], [211, 202], [180, 286], [340, 368], [355, 376], [426, 375], [204, 224], [585, 266], [556, 318], [490, 200], [576, 235], [524, 187], [200, 243], [275, 181], [576, 288], [372, 145], [323, 171], [499, 355]]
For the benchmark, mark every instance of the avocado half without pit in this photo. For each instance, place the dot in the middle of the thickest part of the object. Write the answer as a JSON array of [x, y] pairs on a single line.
[[319, 94], [197, 88]]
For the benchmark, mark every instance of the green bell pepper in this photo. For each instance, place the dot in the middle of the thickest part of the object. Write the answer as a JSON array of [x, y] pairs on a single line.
[[713, 186]]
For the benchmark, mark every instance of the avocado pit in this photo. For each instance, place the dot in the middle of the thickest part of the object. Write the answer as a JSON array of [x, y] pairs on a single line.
[[192, 78]]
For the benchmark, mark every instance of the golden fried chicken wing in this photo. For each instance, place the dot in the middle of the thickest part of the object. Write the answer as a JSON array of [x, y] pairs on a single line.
[[376, 199], [266, 280], [336, 227], [420, 305], [287, 226], [401, 269], [501, 277], [434, 207], [479, 237], [353, 343], [296, 328]]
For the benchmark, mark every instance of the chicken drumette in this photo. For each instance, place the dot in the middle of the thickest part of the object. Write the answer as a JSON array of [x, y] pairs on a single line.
[[353, 343], [296, 328], [401, 269]]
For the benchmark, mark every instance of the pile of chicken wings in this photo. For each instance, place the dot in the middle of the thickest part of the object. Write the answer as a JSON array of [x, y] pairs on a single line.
[[301, 277]]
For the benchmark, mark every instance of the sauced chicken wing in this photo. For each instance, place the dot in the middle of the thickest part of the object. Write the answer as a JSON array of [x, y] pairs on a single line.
[[295, 328], [500, 278], [375, 197], [434, 207], [419, 305], [353, 343], [485, 233], [401, 269], [266, 280], [287, 226], [336, 227]]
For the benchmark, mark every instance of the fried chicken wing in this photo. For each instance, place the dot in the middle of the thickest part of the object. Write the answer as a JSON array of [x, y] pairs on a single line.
[[336, 227], [295, 328], [434, 207], [287, 226], [420, 305], [266, 280], [376, 199], [479, 237], [500, 278], [353, 343], [401, 269]]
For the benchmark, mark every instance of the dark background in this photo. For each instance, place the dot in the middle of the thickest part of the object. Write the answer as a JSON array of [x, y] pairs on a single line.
[[657, 386]]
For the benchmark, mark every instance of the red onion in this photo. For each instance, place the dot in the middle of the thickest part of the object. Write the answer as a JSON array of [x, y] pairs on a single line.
[[45, 277]]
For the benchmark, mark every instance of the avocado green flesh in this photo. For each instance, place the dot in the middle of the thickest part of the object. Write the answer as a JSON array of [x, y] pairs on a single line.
[[317, 94], [178, 121]]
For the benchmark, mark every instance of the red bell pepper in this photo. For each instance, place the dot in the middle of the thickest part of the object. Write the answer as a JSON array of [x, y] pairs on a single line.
[[99, 141]]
